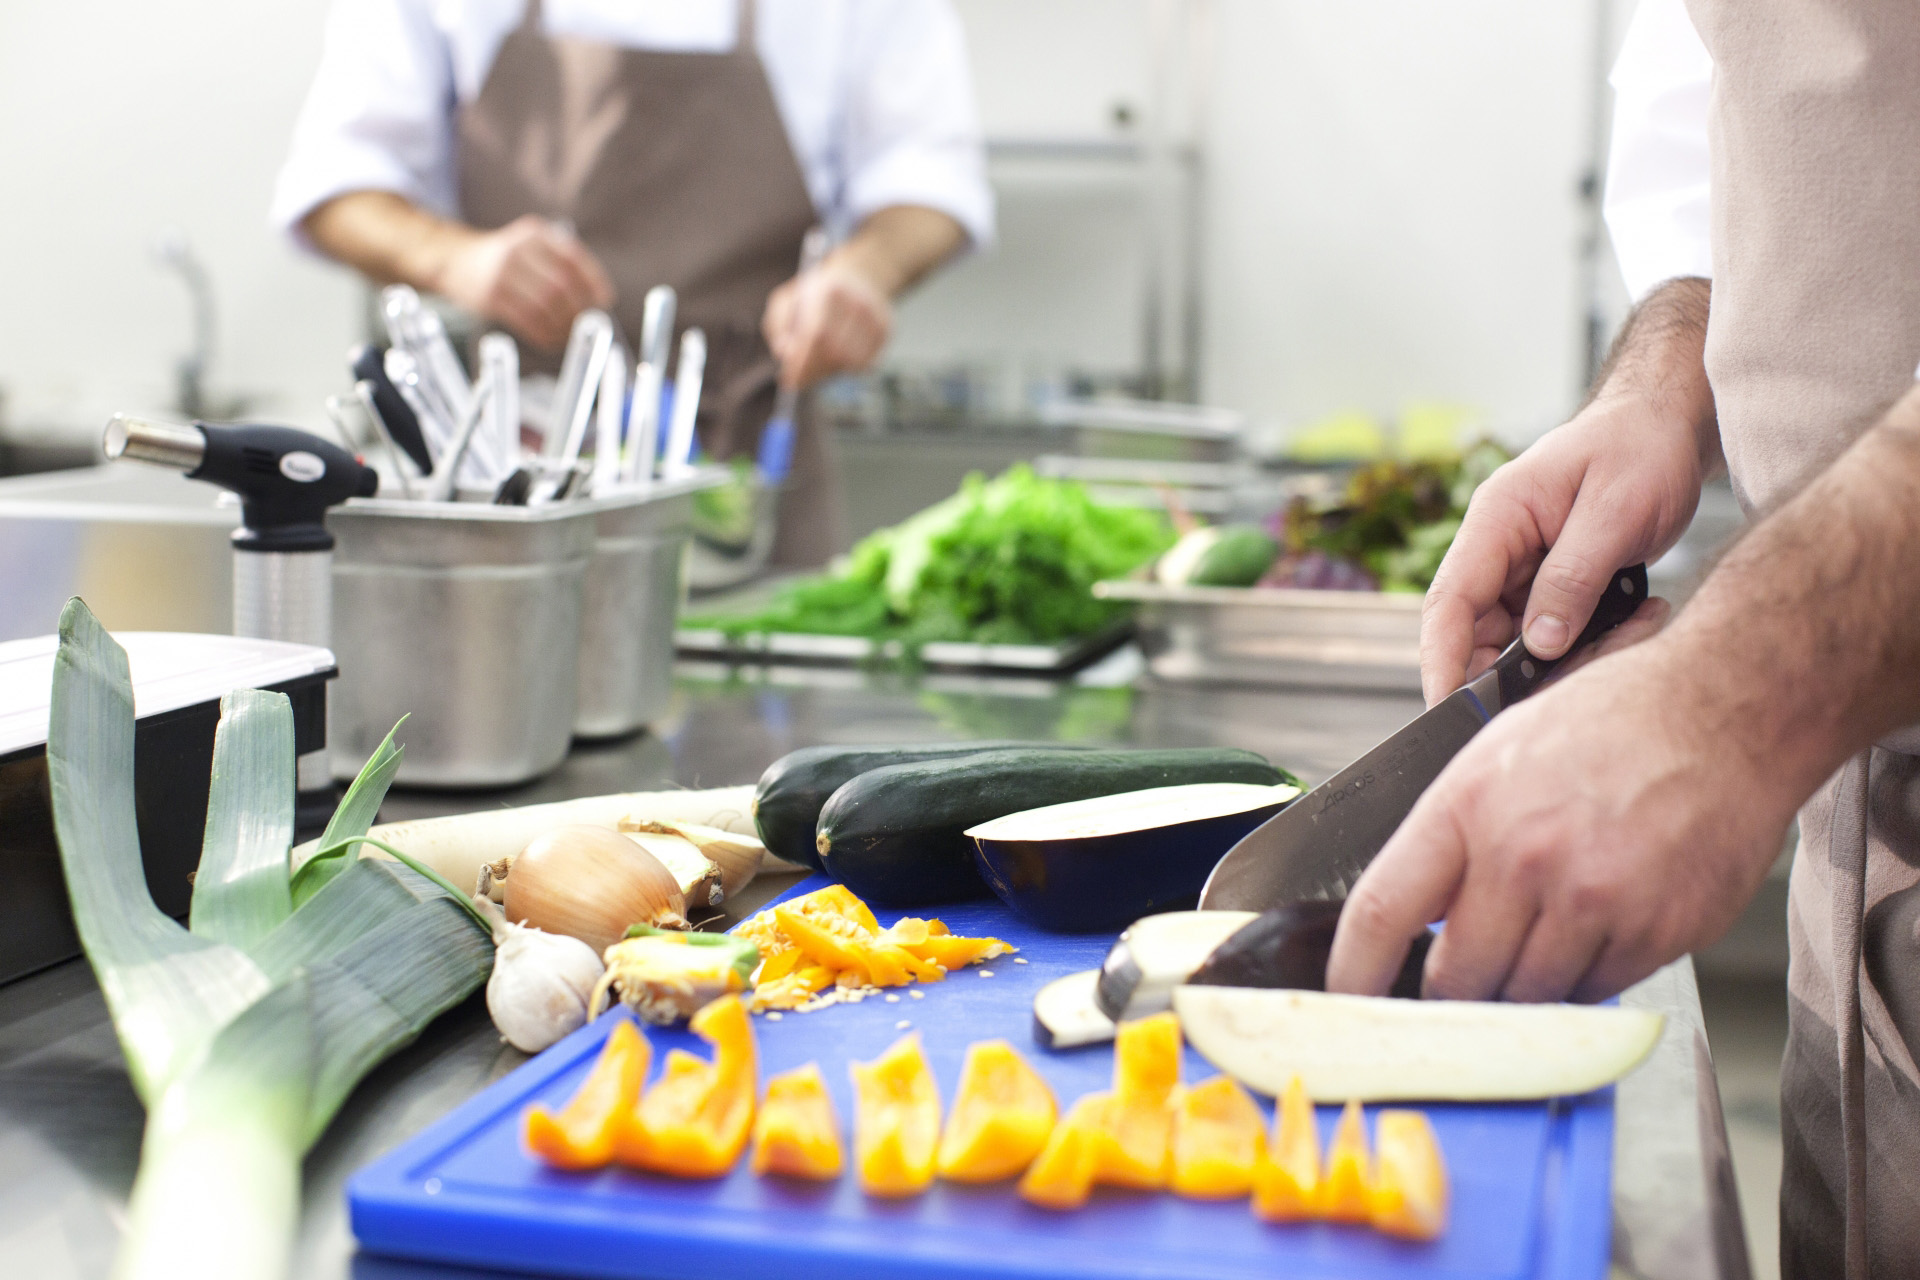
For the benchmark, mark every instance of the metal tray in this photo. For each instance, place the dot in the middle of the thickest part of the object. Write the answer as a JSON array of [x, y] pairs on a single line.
[[1276, 636]]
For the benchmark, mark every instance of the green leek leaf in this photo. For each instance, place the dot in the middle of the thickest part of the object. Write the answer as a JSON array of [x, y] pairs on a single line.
[[353, 818], [240, 891]]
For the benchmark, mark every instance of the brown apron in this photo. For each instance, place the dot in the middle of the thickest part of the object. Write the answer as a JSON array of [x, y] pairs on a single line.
[[1815, 329], [674, 168]]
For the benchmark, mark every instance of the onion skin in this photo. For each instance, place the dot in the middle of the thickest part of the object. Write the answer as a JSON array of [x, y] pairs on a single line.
[[739, 857], [591, 883]]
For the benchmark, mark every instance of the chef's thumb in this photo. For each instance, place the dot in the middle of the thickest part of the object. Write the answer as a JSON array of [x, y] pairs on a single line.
[[1570, 581]]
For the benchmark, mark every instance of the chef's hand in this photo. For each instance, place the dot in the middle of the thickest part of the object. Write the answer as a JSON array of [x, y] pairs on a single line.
[[1584, 838], [830, 319], [529, 275], [1614, 486]]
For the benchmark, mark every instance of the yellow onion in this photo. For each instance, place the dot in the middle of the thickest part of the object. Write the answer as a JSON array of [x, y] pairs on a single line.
[[738, 856], [591, 883]]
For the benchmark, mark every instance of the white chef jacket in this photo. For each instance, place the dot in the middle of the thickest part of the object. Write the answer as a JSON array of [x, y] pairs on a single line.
[[876, 96], [1658, 170]]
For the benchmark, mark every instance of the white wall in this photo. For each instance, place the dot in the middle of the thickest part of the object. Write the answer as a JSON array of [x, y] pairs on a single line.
[[119, 119]]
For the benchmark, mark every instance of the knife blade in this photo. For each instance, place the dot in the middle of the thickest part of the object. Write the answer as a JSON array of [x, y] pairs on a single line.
[[1317, 846]]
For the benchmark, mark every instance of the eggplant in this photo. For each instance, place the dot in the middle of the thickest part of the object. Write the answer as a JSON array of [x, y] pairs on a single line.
[[1157, 954], [1065, 1015], [1095, 864], [1289, 946]]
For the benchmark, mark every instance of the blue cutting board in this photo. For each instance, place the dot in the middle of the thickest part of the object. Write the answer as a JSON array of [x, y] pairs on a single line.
[[1532, 1183]]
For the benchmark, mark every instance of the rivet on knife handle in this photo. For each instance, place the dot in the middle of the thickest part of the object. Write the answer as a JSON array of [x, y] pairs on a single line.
[[1521, 673]]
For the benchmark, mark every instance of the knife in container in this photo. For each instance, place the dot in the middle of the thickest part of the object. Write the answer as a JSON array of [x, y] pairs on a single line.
[[1317, 846]]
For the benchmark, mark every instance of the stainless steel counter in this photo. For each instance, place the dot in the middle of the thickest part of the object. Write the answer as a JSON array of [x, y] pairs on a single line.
[[70, 1124]]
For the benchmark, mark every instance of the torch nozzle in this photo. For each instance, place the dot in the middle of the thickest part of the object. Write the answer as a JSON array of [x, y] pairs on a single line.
[[167, 444]]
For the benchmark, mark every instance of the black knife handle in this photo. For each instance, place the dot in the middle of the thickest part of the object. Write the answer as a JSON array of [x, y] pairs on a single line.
[[368, 365], [1521, 673]]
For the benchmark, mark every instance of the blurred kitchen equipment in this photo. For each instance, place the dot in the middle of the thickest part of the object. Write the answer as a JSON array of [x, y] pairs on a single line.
[[434, 385], [635, 585], [178, 681], [500, 365], [174, 252], [581, 371], [1150, 430], [465, 617], [282, 552], [610, 420], [776, 441], [687, 380], [1276, 636], [440, 484], [386, 407], [656, 346]]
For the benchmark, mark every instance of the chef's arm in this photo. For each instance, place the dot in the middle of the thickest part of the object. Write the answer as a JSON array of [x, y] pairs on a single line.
[[529, 275], [836, 317], [1625, 816], [1615, 485]]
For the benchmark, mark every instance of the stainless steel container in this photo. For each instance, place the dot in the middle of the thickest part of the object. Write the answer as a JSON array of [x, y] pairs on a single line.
[[465, 617], [1276, 636], [635, 584]]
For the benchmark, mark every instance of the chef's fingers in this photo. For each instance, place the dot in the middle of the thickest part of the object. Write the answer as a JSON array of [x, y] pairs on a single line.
[[1646, 622], [537, 306], [1597, 540], [1559, 950], [1621, 963], [1495, 540], [1487, 924], [567, 274], [1407, 887], [588, 278]]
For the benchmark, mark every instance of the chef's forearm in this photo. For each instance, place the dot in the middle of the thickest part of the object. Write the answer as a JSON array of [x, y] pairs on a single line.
[[898, 245], [1803, 645], [386, 237], [1660, 359]]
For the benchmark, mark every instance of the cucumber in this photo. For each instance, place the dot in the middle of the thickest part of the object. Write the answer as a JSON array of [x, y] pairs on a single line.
[[787, 802], [1237, 558], [896, 835]]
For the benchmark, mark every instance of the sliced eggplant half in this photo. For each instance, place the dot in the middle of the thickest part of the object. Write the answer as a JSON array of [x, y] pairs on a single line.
[[1090, 865], [1289, 946], [1065, 1015], [1378, 1049], [1157, 954]]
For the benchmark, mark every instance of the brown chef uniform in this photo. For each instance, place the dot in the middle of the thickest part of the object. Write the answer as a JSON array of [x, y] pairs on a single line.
[[1815, 138], [674, 168]]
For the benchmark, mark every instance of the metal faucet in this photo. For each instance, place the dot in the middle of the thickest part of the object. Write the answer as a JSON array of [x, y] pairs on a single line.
[[173, 251]]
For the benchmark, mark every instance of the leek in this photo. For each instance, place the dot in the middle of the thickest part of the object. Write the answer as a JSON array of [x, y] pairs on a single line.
[[244, 1031]]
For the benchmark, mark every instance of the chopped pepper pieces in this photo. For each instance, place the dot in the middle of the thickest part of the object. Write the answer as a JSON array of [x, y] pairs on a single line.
[[1061, 1176], [1408, 1196], [1002, 1114], [1136, 1139], [795, 1132], [1286, 1182], [665, 975], [1342, 1194], [694, 1121], [1217, 1141], [582, 1135], [896, 1120]]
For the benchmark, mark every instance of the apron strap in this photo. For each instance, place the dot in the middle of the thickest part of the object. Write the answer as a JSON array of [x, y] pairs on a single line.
[[745, 28], [1847, 851], [530, 17]]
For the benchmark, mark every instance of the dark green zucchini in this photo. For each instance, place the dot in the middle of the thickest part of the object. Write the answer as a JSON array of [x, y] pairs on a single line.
[[787, 803], [896, 835]]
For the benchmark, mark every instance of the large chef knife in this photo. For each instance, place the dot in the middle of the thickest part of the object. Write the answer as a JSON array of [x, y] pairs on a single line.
[[1317, 846]]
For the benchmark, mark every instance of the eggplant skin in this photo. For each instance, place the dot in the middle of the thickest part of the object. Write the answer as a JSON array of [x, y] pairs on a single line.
[[1094, 884], [790, 794], [896, 835], [1288, 947]]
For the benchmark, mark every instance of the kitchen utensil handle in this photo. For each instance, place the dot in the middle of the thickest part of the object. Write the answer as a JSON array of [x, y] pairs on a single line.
[[1521, 673]]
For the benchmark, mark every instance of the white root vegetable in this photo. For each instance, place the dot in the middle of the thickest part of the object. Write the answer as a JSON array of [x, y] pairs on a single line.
[[592, 884], [457, 845], [1377, 1048], [542, 983], [739, 857]]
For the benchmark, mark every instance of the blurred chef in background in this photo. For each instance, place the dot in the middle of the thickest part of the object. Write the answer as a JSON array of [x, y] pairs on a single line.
[[530, 163]]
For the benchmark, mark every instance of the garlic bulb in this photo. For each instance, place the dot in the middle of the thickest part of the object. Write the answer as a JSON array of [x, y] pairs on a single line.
[[541, 986], [591, 883], [738, 856]]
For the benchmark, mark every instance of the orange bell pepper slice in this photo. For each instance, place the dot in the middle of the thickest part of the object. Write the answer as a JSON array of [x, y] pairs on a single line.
[[694, 1121], [1342, 1195], [795, 1132], [1218, 1139], [896, 1120], [1002, 1115], [1286, 1183], [1061, 1176], [1409, 1194], [1137, 1138], [582, 1135]]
